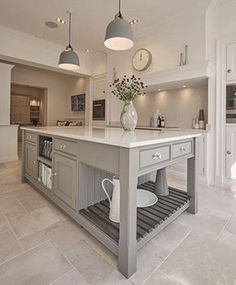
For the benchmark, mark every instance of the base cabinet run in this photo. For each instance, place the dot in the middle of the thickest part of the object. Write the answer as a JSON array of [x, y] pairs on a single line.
[[65, 179]]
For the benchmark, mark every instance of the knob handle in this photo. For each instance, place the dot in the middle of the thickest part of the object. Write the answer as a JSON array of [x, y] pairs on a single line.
[[228, 152], [156, 156], [229, 70], [182, 148], [54, 174], [34, 162]]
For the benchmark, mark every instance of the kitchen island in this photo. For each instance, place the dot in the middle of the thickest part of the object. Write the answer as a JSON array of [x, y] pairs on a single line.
[[67, 164]]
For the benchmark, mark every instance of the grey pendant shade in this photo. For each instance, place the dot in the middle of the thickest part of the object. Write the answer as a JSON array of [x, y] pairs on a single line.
[[68, 58], [119, 34]]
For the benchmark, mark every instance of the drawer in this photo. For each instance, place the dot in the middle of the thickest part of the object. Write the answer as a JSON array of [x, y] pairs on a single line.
[[153, 156], [30, 137], [68, 147], [182, 149]]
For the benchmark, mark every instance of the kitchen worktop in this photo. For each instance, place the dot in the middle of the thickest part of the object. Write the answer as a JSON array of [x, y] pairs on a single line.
[[116, 136]]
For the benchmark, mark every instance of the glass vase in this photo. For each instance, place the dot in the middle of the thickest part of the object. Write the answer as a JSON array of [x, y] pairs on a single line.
[[129, 117]]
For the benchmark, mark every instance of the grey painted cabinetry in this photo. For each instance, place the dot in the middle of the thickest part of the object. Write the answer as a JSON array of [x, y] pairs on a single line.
[[65, 179], [31, 160]]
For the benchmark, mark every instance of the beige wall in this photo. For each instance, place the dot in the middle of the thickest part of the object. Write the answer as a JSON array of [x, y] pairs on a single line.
[[59, 90], [178, 106]]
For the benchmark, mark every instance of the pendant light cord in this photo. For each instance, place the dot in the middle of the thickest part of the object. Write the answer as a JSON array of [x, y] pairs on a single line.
[[119, 14], [69, 29]]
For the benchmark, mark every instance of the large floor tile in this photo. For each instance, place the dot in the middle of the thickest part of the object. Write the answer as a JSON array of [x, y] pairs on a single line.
[[9, 246], [71, 278], [34, 221], [101, 249], [3, 223], [201, 260], [65, 234], [231, 226], [204, 222], [89, 263], [39, 266], [172, 236], [150, 257], [227, 238], [32, 203], [160, 278], [115, 278], [15, 212], [8, 202]]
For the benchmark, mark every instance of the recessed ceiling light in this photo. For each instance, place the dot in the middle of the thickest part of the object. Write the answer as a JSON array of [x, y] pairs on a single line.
[[87, 50], [159, 89], [184, 86], [51, 24], [133, 22]]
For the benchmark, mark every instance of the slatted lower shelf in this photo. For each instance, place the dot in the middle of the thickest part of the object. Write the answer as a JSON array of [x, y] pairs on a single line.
[[148, 219]]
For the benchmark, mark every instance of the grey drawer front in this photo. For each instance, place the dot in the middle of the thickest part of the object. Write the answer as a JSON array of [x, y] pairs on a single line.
[[153, 156], [30, 137], [182, 149], [68, 147]]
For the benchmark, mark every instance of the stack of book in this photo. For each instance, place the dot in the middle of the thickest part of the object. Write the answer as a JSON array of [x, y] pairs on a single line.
[[45, 175]]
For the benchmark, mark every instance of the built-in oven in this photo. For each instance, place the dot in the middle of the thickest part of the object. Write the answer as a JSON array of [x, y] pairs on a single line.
[[231, 103], [99, 110]]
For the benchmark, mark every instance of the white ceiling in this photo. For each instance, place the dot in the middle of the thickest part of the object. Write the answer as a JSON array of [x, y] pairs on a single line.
[[90, 17]]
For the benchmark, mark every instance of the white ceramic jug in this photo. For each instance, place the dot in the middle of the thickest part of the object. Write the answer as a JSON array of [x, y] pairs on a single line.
[[114, 214]]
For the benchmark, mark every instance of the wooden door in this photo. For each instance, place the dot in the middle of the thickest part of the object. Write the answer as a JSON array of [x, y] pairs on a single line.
[[31, 160], [65, 179]]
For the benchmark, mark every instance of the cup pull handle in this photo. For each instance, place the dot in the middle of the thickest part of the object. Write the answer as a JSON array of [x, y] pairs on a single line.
[[104, 189]]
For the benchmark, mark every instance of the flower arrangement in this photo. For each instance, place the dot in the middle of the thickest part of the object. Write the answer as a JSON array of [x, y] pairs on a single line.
[[128, 88]]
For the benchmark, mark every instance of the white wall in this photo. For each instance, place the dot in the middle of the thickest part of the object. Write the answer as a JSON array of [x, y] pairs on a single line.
[[8, 143], [165, 43], [179, 106], [22, 48], [55, 84]]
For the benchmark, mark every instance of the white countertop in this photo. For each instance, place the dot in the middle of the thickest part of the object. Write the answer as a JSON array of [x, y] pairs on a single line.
[[116, 136]]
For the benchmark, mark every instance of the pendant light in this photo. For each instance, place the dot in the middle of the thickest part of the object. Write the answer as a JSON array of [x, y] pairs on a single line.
[[68, 58], [119, 34]]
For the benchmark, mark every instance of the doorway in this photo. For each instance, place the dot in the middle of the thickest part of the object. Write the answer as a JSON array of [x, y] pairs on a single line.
[[28, 107]]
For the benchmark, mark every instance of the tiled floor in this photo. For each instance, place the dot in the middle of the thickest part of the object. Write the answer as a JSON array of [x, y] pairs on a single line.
[[40, 245]]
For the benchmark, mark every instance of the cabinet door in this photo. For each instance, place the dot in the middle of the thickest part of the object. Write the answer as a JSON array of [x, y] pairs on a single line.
[[231, 153], [231, 62], [65, 179], [31, 160]]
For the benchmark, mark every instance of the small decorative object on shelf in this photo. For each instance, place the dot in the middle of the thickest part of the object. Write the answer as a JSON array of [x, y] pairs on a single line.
[[127, 90], [201, 119]]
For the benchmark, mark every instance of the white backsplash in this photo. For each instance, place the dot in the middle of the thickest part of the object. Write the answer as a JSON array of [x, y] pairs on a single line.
[[179, 106]]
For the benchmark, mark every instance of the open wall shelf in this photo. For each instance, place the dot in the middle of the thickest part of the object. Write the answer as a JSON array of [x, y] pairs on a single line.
[[150, 220]]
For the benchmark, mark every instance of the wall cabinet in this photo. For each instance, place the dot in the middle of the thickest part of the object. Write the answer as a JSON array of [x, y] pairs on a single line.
[[31, 160], [231, 62], [230, 152], [65, 179]]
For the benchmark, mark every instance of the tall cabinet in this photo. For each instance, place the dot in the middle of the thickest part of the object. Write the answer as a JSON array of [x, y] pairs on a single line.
[[230, 129]]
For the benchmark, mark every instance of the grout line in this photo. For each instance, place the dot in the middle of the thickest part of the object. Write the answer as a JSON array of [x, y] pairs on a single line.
[[22, 253], [61, 276], [12, 230]]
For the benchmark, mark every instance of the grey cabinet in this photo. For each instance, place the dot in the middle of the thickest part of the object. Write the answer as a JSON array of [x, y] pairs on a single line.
[[65, 179], [31, 160]]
